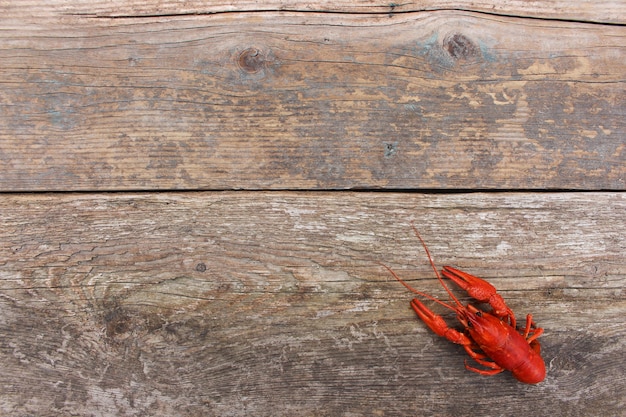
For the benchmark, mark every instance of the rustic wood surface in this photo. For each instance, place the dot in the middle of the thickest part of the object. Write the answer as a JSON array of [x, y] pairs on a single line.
[[287, 100], [242, 303], [610, 11], [268, 302]]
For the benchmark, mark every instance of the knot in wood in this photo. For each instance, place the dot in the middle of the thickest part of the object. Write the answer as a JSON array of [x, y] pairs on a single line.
[[117, 322], [460, 46], [251, 60]]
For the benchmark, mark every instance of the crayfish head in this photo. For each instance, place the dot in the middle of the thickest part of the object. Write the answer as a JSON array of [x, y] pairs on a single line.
[[484, 328]]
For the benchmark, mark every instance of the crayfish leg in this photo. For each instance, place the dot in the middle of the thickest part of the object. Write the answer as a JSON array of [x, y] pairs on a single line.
[[486, 372], [531, 333], [480, 359]]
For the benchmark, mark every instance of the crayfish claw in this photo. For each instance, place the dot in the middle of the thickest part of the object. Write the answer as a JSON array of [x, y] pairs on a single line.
[[480, 290]]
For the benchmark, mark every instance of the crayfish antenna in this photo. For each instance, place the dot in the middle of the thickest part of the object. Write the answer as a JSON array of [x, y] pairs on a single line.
[[408, 287], [432, 263]]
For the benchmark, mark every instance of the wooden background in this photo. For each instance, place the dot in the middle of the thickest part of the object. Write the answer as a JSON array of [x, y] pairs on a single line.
[[195, 199]]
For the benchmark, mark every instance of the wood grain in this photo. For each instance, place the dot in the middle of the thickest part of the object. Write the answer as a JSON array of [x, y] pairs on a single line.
[[273, 302], [580, 11], [244, 303], [295, 100]]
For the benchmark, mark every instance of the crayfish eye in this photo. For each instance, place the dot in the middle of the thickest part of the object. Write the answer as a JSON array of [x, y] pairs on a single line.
[[479, 314]]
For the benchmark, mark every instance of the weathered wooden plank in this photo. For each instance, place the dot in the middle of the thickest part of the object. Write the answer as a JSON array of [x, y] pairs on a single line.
[[311, 101], [584, 10], [244, 303]]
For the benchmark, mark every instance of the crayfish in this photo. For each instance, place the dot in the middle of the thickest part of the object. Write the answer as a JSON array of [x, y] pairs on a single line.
[[491, 338]]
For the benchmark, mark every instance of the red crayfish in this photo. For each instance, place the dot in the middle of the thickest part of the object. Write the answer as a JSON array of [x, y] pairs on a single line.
[[490, 338]]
